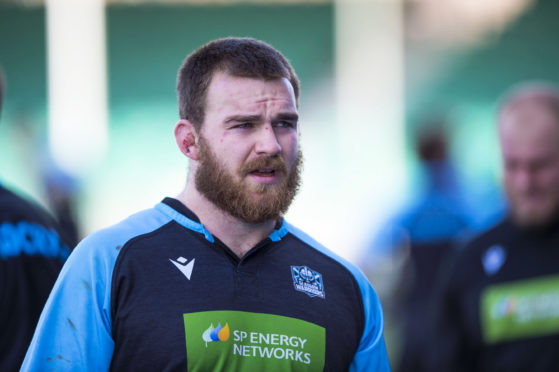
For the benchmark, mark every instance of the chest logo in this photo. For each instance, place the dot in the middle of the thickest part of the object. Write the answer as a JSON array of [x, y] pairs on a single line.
[[307, 281], [184, 267], [216, 334], [493, 259]]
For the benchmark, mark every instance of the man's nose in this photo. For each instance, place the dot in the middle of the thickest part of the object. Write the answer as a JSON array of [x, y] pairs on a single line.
[[267, 141], [524, 179]]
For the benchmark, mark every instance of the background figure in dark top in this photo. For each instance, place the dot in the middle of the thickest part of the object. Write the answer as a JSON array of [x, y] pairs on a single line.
[[62, 194], [416, 241], [496, 309], [32, 252], [431, 227]]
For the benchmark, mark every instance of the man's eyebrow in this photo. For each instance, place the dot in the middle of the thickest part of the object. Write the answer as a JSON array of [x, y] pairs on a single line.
[[256, 118], [243, 118], [287, 116]]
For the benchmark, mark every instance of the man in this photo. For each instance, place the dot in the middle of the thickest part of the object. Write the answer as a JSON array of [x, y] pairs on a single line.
[[215, 279], [32, 252], [498, 308]]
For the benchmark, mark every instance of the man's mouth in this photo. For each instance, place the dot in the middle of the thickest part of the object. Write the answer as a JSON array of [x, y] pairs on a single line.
[[269, 167], [264, 172]]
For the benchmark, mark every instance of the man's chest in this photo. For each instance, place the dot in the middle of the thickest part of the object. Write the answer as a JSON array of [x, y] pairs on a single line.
[[195, 307], [514, 295]]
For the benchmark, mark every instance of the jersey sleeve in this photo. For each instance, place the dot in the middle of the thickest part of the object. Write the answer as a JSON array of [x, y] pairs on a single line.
[[74, 330], [371, 354]]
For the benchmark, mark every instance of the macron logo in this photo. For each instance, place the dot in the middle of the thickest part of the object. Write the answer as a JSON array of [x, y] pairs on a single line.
[[185, 268]]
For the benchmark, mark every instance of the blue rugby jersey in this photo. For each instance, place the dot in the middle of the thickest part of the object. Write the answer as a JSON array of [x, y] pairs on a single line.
[[32, 251], [158, 292]]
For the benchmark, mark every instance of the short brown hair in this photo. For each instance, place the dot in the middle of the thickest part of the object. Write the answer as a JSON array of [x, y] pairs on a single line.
[[244, 57]]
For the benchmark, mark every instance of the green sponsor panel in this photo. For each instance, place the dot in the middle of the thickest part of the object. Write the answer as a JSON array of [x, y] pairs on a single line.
[[520, 309], [243, 341]]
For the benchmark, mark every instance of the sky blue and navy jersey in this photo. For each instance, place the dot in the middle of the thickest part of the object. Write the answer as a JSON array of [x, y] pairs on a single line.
[[158, 292]]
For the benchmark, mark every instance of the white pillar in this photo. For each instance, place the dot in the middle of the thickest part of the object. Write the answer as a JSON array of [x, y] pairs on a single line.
[[370, 103], [77, 83]]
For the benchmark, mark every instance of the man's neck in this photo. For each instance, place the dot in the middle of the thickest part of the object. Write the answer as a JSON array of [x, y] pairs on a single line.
[[238, 235]]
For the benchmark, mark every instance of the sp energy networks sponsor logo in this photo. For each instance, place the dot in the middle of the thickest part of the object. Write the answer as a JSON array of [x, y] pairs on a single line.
[[307, 281], [270, 345], [252, 341], [520, 309]]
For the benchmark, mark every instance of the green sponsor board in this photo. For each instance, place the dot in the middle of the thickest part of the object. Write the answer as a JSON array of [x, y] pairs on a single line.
[[520, 309], [243, 341]]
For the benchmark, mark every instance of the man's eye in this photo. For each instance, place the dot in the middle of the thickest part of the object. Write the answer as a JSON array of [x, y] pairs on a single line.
[[244, 125], [286, 124], [511, 166]]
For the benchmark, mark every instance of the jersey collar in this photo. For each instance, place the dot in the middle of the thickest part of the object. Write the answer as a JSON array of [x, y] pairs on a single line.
[[185, 217]]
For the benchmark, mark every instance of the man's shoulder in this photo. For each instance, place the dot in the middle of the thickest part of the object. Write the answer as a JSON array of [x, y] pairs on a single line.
[[492, 235], [27, 228], [15, 208], [472, 258], [371, 308], [117, 235], [317, 246], [348, 266], [8, 197]]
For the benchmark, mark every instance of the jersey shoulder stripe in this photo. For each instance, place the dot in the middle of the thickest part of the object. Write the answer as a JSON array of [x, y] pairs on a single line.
[[185, 221]]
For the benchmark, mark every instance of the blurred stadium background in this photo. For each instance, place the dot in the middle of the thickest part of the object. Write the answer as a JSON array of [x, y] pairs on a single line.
[[371, 71]]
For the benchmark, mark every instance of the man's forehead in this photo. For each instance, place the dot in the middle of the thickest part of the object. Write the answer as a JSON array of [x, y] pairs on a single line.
[[235, 90], [522, 142], [529, 120], [222, 79]]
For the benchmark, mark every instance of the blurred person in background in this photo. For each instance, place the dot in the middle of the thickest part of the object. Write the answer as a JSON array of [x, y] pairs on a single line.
[[62, 192], [497, 307], [32, 251], [60, 188], [216, 279], [417, 240]]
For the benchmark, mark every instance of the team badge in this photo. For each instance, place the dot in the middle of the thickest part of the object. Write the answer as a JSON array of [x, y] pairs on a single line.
[[493, 259], [307, 281]]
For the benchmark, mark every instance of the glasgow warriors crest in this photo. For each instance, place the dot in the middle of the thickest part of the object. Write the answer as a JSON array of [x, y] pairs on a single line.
[[307, 281]]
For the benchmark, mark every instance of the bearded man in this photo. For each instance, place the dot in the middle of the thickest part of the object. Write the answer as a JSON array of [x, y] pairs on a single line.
[[216, 279]]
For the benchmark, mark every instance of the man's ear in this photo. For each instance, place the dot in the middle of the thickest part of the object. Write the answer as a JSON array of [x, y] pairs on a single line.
[[187, 138]]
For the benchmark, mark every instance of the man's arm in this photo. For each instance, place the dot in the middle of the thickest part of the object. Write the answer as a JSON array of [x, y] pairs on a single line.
[[74, 330], [371, 354]]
